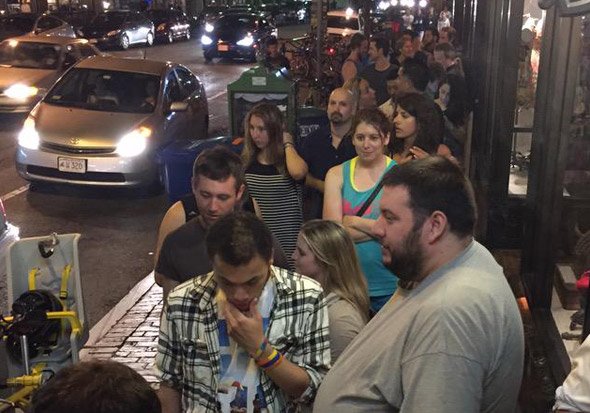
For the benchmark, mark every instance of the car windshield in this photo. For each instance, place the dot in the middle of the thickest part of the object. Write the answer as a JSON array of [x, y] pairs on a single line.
[[19, 24], [340, 22], [106, 91], [108, 19], [158, 14], [237, 22], [29, 55]]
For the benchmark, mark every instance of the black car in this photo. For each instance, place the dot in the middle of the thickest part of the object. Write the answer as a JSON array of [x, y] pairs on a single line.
[[236, 36], [19, 24], [209, 15], [170, 24], [119, 29]]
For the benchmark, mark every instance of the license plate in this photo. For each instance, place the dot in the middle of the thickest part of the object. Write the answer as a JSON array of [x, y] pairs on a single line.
[[71, 165], [223, 47]]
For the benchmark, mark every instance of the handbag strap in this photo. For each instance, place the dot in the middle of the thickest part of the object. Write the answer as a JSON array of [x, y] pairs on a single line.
[[370, 199]]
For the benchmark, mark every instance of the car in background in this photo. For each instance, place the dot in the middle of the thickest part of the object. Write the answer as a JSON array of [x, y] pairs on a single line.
[[342, 23], [19, 24], [236, 36], [119, 29], [170, 24], [120, 112], [30, 65], [208, 16], [8, 234]]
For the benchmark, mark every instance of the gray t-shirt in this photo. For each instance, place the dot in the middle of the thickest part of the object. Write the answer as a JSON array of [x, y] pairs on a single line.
[[346, 322], [452, 344]]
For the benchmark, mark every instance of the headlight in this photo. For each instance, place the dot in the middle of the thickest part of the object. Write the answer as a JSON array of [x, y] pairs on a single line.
[[113, 33], [21, 92], [206, 40], [80, 33], [28, 136], [246, 41], [161, 27], [208, 27], [134, 142]]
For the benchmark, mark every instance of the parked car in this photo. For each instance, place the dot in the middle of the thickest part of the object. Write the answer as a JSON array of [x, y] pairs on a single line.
[[236, 36], [170, 25], [8, 234], [119, 29], [120, 112], [23, 23], [30, 65], [342, 23]]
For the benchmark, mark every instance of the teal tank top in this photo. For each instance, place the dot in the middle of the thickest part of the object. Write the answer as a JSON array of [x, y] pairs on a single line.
[[381, 281]]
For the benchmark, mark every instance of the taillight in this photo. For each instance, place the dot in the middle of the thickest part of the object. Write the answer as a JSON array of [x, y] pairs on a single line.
[[331, 51]]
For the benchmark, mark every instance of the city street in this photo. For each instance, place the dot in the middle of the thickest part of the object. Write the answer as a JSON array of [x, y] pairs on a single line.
[[118, 227]]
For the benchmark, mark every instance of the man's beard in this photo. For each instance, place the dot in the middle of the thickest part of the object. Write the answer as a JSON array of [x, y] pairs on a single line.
[[408, 263], [336, 118]]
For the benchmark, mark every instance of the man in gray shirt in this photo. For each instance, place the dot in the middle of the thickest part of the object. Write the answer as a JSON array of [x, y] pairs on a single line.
[[451, 338]]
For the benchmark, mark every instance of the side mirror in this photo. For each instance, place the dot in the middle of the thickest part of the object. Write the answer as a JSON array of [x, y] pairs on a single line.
[[178, 106]]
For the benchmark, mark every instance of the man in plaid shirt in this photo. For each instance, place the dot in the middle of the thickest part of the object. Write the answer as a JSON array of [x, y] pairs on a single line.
[[246, 337]]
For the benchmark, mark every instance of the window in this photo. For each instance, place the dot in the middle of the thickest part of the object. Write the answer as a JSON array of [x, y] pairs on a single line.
[[172, 91], [47, 23], [86, 50], [188, 82]]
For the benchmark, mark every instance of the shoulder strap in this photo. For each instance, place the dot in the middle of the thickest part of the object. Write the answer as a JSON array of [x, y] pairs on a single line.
[[370, 199]]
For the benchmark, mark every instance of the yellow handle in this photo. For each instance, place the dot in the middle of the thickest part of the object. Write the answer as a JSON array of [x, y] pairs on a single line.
[[32, 276]]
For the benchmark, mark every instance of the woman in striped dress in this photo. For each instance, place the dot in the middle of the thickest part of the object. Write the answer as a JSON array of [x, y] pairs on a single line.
[[274, 171]]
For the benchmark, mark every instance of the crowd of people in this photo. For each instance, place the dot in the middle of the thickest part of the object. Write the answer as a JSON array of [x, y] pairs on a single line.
[[339, 272]]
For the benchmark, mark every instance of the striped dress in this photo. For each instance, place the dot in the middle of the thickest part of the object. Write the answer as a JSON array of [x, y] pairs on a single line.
[[280, 201]]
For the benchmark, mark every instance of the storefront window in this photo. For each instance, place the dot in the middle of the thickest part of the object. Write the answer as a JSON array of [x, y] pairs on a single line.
[[574, 252], [528, 70]]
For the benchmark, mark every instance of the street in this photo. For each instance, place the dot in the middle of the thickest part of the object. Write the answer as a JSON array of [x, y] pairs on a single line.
[[119, 226]]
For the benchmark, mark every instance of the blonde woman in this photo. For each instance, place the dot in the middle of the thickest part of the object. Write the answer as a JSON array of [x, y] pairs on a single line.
[[274, 173], [325, 252]]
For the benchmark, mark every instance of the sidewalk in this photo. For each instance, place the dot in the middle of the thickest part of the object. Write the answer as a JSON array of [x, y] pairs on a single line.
[[129, 332]]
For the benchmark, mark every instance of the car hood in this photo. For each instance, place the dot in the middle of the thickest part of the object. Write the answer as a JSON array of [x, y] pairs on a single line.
[[234, 34], [89, 128], [40, 78]]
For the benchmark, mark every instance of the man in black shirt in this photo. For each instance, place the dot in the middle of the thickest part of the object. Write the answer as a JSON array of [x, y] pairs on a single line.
[[274, 58]]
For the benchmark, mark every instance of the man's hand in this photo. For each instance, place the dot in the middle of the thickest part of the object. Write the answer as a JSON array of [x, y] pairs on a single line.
[[245, 329]]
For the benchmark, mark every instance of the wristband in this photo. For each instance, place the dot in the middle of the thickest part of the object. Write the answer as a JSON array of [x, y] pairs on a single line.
[[260, 349], [272, 359], [286, 144], [275, 364]]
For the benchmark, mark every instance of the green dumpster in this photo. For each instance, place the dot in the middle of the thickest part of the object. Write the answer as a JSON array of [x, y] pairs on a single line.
[[259, 85]]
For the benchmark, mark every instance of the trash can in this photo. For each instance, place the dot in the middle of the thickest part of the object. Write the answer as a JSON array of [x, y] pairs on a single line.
[[177, 161]]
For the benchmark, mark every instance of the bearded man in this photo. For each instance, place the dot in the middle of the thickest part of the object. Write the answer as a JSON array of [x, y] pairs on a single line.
[[451, 337]]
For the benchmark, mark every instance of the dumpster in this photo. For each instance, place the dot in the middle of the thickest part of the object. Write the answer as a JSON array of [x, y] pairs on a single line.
[[259, 85], [177, 161]]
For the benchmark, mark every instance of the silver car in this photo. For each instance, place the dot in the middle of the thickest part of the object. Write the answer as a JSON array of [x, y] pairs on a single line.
[[104, 121], [30, 65]]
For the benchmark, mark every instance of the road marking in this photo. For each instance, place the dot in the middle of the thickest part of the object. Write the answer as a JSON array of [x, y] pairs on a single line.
[[217, 95], [14, 193]]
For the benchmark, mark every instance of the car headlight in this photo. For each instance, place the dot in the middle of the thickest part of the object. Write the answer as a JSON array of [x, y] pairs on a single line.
[[208, 27], [246, 41], [206, 40], [28, 136], [113, 33], [20, 91], [161, 27], [80, 33], [134, 143]]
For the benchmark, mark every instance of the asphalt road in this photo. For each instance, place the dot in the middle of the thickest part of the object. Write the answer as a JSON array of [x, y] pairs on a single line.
[[118, 227]]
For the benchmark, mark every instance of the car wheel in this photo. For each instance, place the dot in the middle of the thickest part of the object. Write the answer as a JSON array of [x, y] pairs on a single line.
[[187, 35], [170, 37], [149, 39], [124, 42]]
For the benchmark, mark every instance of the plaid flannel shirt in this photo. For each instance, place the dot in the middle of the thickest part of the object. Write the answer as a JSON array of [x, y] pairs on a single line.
[[188, 348]]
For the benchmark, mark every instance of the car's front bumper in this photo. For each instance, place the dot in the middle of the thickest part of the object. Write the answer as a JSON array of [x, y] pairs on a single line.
[[102, 169], [233, 51]]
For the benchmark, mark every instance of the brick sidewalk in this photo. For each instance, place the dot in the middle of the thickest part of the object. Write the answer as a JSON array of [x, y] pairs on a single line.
[[133, 339]]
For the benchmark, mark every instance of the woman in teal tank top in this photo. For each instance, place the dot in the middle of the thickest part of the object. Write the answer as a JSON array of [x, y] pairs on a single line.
[[349, 185]]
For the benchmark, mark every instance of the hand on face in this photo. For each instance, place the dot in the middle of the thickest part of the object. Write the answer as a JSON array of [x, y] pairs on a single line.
[[245, 328]]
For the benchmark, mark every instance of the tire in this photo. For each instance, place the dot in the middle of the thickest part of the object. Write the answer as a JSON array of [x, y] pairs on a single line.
[[124, 42], [170, 37], [149, 39]]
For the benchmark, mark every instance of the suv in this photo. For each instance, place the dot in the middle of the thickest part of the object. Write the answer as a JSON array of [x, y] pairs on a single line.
[[342, 23]]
